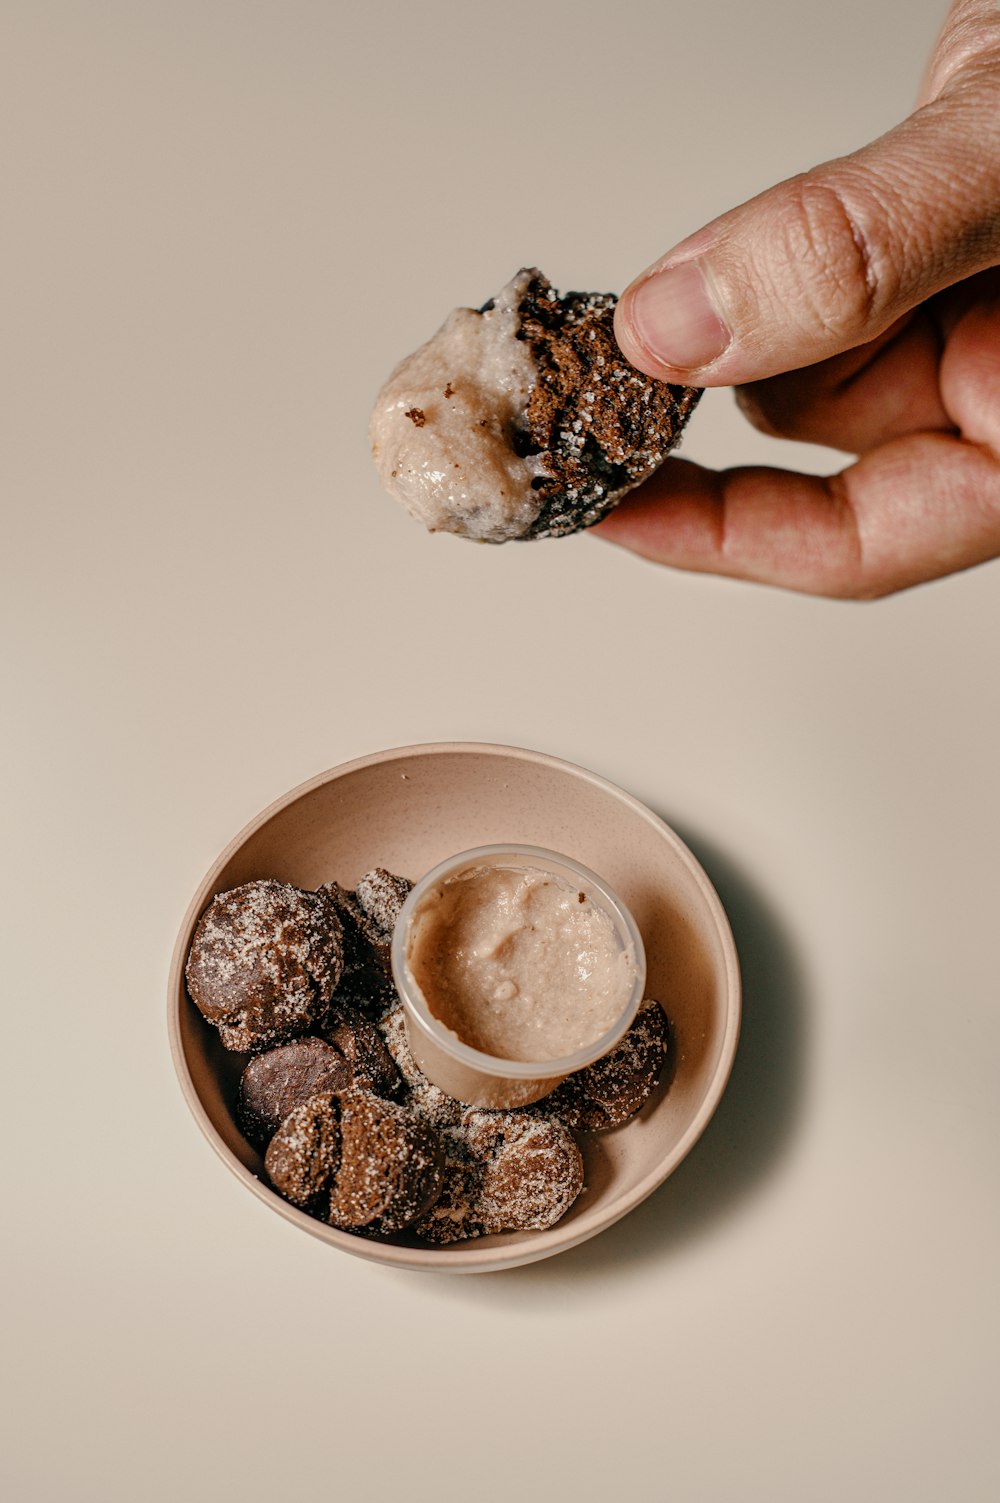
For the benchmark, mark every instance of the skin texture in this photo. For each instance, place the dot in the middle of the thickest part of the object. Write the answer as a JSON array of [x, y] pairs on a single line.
[[857, 305]]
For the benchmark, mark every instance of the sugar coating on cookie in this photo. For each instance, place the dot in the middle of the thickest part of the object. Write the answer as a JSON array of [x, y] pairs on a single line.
[[264, 962], [390, 1166], [610, 1091], [533, 1170], [522, 419], [452, 1218], [366, 978], [381, 895], [364, 1051], [304, 1155], [422, 1095], [504, 1171], [275, 1083]]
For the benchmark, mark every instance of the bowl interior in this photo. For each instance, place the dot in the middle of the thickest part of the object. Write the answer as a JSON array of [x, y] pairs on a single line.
[[409, 809]]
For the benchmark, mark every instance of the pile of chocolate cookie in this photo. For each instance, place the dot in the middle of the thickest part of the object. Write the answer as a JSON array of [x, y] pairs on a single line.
[[351, 1129]]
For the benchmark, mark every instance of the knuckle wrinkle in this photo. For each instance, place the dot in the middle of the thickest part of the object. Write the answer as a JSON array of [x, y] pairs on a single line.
[[834, 265]]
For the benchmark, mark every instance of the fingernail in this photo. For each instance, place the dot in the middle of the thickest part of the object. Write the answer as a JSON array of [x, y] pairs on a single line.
[[674, 317]]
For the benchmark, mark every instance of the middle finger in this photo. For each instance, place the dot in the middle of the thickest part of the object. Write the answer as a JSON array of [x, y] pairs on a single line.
[[861, 399]]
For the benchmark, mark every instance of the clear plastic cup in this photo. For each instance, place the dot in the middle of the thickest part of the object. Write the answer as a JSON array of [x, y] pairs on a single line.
[[467, 1073]]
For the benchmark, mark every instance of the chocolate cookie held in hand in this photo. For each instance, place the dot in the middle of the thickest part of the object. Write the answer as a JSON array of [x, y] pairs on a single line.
[[523, 419]]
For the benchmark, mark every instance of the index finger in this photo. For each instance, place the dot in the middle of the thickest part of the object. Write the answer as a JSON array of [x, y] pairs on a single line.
[[918, 508]]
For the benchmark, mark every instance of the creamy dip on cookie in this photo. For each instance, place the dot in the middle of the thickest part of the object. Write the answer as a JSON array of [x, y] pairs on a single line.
[[443, 424], [518, 963]]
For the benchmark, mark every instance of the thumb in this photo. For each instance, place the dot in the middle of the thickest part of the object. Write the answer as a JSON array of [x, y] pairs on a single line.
[[828, 260]]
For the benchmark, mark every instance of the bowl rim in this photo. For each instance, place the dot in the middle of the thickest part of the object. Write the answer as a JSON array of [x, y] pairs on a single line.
[[475, 1256]]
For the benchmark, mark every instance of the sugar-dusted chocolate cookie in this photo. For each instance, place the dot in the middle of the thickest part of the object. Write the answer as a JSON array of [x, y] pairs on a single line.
[[264, 962], [451, 1218], [366, 979], [532, 1170], [365, 1051], [422, 1095], [281, 1079], [304, 1155], [381, 895], [504, 1171], [390, 1167], [610, 1091], [523, 419]]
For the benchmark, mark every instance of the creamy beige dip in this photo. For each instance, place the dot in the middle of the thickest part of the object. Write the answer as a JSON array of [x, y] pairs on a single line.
[[441, 431], [517, 963]]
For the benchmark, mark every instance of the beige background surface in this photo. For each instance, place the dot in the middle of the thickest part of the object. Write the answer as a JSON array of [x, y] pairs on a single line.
[[223, 223]]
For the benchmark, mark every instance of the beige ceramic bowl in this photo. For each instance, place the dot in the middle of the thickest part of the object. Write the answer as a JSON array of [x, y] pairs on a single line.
[[408, 809]]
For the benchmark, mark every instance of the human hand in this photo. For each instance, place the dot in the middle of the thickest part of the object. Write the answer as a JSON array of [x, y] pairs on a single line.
[[857, 305]]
